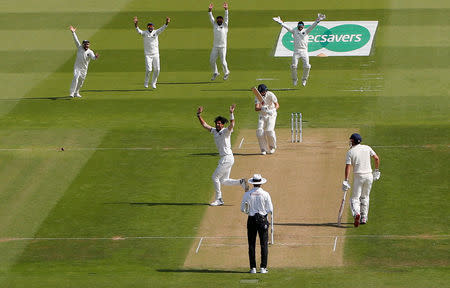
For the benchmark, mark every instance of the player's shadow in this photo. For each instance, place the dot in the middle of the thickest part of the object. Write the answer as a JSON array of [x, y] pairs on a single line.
[[157, 203], [43, 98], [214, 271], [335, 225], [250, 90], [117, 90], [205, 154], [247, 154]]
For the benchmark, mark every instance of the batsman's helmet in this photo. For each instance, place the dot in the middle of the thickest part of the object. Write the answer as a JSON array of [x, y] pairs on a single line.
[[356, 138], [262, 88]]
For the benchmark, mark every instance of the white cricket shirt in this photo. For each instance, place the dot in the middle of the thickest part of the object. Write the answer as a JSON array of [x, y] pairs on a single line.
[[223, 141], [258, 200], [220, 32], [269, 101], [151, 43], [300, 37], [83, 56], [359, 157]]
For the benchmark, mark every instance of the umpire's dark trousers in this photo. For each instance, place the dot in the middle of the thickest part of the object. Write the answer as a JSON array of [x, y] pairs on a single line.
[[257, 224]]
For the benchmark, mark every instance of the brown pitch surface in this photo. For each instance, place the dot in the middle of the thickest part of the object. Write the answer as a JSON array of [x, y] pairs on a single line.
[[304, 181]]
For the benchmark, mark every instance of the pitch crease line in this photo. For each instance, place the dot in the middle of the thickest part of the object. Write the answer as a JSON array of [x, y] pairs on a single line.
[[199, 244], [335, 242], [240, 144]]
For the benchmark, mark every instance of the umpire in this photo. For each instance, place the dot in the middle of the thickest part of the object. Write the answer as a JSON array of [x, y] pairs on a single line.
[[257, 203]]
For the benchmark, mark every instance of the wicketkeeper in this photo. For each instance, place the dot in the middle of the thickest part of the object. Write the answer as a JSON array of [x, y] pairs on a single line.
[[359, 157], [266, 120], [300, 47]]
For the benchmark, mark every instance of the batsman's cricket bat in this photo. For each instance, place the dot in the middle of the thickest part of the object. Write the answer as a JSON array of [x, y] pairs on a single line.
[[271, 227], [258, 95], [341, 209]]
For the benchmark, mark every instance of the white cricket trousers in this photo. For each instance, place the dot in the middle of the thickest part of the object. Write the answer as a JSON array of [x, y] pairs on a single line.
[[266, 132], [151, 64], [302, 54], [221, 175], [359, 202], [222, 53], [77, 81]]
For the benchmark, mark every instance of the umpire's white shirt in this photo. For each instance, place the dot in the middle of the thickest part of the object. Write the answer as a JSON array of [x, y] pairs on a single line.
[[223, 141], [220, 31], [83, 56], [269, 101], [258, 200], [359, 157], [151, 43], [300, 37]]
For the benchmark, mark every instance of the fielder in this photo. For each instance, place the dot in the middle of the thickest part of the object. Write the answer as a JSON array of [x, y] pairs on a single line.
[[359, 157], [257, 204], [300, 47], [220, 29], [266, 120], [222, 136], [80, 68], [151, 50]]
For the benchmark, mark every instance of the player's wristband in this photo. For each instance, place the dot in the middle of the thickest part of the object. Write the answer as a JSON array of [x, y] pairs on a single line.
[[231, 116]]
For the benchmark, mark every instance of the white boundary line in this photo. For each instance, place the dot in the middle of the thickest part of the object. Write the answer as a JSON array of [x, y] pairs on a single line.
[[198, 247]]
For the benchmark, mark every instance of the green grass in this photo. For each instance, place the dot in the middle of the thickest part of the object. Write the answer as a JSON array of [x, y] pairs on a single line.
[[93, 189]]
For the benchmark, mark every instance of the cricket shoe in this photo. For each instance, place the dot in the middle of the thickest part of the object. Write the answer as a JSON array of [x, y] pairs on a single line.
[[71, 95], [214, 76], [263, 271], [252, 271], [78, 95], [363, 220], [145, 85], [272, 150], [295, 82], [357, 218], [263, 152], [244, 184], [303, 83], [154, 86], [225, 77], [218, 202]]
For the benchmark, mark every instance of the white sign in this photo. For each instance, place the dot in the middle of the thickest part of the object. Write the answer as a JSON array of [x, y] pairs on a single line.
[[331, 38]]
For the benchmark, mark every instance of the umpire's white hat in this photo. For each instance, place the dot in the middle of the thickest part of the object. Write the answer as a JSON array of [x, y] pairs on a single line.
[[257, 179]]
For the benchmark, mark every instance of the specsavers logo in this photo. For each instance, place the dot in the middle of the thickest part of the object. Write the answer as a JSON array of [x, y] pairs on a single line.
[[338, 39]]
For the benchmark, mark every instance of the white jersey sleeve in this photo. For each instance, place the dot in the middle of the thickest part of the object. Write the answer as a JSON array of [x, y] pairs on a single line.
[[139, 31], [211, 18], [310, 28], [161, 29], [225, 18], [287, 27], [269, 205], [75, 39], [91, 54]]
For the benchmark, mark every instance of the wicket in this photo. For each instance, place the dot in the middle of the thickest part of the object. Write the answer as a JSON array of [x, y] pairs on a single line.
[[296, 127]]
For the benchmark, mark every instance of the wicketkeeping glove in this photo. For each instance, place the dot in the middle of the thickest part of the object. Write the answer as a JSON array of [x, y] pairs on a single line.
[[277, 19], [376, 174], [321, 17], [345, 185]]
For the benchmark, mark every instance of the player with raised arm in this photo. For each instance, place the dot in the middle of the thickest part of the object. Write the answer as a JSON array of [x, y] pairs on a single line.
[[151, 50], [80, 68], [300, 47], [222, 135], [220, 29]]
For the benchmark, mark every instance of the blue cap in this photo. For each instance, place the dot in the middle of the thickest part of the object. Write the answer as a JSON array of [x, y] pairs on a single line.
[[262, 88], [356, 138]]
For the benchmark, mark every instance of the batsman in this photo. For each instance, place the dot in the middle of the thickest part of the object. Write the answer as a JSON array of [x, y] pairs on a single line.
[[359, 157], [266, 103]]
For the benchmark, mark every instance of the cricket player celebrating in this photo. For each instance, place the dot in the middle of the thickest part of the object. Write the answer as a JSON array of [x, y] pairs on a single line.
[[266, 120], [80, 68], [151, 50], [220, 29], [300, 47], [222, 138], [359, 157]]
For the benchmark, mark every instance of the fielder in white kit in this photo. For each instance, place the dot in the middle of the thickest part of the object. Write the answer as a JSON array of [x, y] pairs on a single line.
[[222, 136], [220, 29], [359, 157], [300, 47], [80, 68], [151, 50], [266, 120]]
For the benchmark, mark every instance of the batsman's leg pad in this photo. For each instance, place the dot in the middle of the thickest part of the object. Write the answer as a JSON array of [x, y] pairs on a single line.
[[261, 139], [271, 138]]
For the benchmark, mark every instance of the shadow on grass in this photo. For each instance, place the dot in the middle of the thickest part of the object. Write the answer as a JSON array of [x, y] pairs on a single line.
[[217, 154], [342, 226], [250, 90], [202, 271], [157, 203], [39, 98]]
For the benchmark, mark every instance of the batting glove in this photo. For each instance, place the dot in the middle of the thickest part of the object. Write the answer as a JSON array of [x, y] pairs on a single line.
[[376, 174], [345, 185], [277, 19]]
